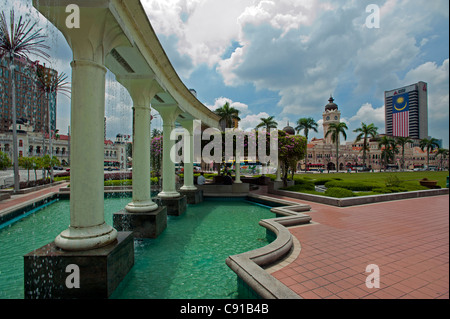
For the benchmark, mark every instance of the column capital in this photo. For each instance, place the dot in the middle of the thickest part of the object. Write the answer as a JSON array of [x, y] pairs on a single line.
[[142, 88], [98, 33], [169, 113]]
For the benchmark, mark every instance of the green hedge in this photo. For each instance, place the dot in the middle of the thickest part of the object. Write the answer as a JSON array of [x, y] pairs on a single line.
[[338, 192], [353, 185]]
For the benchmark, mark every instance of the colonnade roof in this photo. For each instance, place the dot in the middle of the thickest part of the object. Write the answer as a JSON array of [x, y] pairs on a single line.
[[133, 50]]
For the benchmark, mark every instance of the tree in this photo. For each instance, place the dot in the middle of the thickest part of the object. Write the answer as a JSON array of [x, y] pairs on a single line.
[[306, 124], [156, 133], [5, 162], [430, 144], [402, 141], [291, 149], [156, 149], [27, 163], [267, 123], [389, 145], [18, 40], [336, 129], [50, 83], [365, 132], [228, 114]]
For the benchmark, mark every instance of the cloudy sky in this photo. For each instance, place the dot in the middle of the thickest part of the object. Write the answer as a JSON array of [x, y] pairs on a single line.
[[284, 58]]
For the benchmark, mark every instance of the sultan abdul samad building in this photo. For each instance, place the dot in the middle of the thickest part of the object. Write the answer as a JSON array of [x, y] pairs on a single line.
[[322, 152]]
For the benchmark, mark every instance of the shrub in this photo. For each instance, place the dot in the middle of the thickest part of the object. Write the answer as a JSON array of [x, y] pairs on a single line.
[[124, 182], [304, 184], [322, 181], [392, 180], [300, 187], [351, 185], [338, 192]]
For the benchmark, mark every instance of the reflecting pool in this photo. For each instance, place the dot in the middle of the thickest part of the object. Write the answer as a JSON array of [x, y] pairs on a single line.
[[187, 261]]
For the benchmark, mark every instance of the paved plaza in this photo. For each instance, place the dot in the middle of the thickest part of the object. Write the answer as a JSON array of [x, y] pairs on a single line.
[[407, 239]]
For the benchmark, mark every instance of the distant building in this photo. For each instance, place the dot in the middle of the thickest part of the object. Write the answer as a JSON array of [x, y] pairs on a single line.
[[36, 144], [321, 153], [31, 104], [330, 115], [406, 111]]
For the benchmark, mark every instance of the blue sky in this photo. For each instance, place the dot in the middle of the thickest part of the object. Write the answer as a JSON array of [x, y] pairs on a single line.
[[284, 58]]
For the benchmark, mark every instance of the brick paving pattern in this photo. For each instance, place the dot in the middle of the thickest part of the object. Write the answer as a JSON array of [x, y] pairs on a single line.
[[408, 240]]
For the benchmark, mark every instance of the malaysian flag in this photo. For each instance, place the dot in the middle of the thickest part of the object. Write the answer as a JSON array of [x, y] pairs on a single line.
[[400, 115]]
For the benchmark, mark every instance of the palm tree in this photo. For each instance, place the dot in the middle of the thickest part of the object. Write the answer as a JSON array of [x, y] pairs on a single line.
[[18, 40], [268, 123], [389, 144], [306, 124], [228, 114], [430, 144], [50, 83], [156, 132], [336, 129], [365, 132], [402, 141]]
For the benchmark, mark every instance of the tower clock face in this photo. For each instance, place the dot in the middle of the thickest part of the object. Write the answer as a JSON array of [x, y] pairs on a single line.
[[335, 117], [328, 118]]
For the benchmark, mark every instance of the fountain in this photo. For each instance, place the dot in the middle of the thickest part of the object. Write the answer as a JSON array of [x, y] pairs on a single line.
[[115, 36]]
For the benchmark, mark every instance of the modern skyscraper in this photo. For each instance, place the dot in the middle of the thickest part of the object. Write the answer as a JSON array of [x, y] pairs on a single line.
[[406, 111], [32, 104]]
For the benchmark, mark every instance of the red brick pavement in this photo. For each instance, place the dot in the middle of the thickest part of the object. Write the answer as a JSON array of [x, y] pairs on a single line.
[[408, 240], [20, 199]]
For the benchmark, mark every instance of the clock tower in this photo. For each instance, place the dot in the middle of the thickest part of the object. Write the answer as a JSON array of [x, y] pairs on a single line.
[[331, 115]]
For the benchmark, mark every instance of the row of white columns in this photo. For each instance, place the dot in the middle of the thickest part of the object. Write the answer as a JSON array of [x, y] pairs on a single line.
[[87, 229]]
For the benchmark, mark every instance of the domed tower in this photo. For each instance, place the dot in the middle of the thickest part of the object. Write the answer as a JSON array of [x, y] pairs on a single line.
[[289, 129], [331, 115]]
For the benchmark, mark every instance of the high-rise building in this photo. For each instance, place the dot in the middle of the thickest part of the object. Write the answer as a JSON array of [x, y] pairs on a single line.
[[32, 104], [406, 111]]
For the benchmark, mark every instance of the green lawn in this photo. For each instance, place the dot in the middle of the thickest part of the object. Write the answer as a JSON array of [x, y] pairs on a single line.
[[360, 184]]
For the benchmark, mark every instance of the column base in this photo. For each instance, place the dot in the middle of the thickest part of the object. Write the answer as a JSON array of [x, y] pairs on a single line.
[[46, 275], [141, 207], [175, 206], [164, 194], [194, 196], [143, 224], [86, 238]]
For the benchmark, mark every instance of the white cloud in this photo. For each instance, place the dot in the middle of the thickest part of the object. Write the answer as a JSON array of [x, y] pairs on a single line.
[[250, 121], [219, 102], [437, 77], [368, 114]]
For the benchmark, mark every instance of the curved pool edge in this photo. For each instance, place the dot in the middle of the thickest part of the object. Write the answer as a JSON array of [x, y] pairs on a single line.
[[248, 266]]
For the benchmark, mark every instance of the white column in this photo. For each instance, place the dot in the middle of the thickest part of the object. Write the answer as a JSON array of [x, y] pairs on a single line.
[[278, 178], [168, 114], [189, 164], [90, 44], [142, 90]]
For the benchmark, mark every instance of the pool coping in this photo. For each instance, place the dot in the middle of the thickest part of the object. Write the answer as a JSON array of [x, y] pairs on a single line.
[[249, 266]]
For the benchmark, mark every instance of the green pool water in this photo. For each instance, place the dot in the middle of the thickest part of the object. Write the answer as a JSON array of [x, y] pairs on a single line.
[[186, 262]]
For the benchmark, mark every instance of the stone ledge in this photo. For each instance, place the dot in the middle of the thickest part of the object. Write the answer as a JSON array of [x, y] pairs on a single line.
[[360, 200], [248, 265]]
